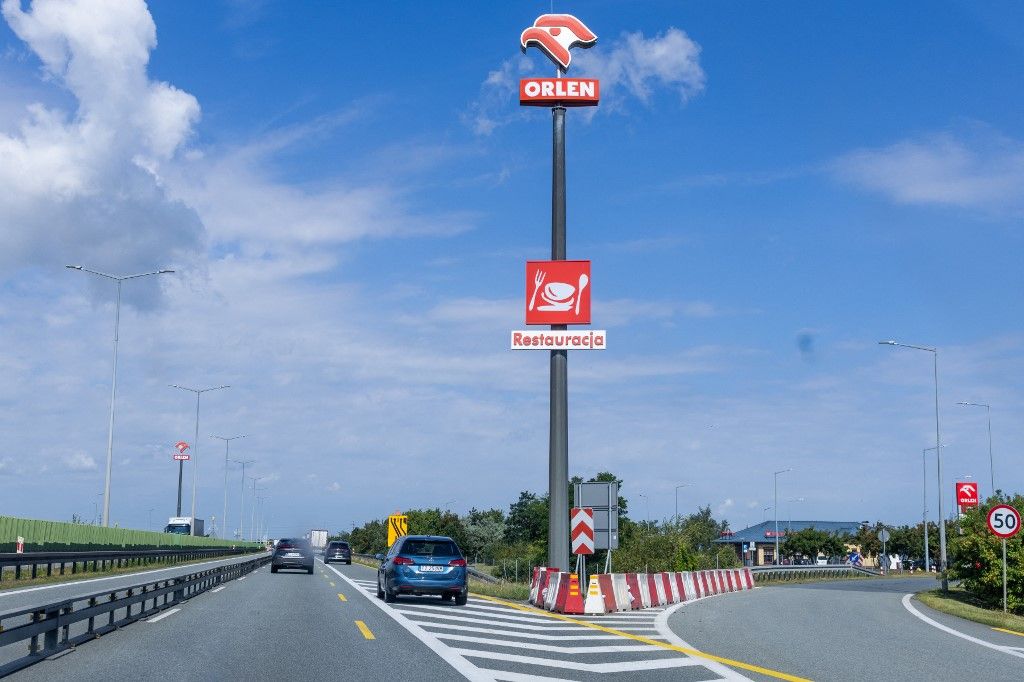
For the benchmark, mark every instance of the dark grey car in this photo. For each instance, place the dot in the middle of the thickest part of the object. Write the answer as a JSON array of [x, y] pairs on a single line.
[[294, 553], [336, 550]]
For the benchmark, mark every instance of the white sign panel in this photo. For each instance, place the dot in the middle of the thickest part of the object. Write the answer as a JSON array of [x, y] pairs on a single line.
[[586, 339]]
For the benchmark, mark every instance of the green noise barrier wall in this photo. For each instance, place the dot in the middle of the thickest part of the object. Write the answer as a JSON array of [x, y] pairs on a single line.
[[57, 536]]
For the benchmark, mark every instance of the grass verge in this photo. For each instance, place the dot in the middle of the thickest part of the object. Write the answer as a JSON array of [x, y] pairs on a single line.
[[957, 602]]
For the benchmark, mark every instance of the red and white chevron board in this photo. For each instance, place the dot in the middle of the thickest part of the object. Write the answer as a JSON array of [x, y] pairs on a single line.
[[582, 530]]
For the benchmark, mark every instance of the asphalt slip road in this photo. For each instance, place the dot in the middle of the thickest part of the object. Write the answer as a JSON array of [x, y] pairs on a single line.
[[291, 625], [850, 630]]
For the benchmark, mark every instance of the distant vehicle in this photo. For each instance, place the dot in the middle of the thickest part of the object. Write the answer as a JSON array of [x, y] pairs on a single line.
[[318, 538], [182, 525], [822, 560], [423, 564], [337, 550], [292, 553]]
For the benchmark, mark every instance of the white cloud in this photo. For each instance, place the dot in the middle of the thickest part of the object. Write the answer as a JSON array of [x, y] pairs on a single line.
[[79, 461], [84, 185], [631, 67], [334, 487], [978, 169], [638, 65]]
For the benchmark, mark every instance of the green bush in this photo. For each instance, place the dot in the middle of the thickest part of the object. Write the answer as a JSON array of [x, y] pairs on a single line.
[[976, 558]]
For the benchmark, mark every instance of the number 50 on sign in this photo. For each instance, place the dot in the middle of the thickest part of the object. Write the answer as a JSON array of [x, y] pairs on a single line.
[[1004, 521]]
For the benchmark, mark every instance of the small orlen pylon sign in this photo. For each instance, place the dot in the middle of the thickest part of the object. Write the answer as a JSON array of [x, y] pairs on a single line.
[[20, 547], [573, 600]]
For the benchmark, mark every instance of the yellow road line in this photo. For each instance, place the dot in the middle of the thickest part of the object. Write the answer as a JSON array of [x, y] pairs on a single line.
[[646, 640], [340, 596], [365, 630], [1010, 632]]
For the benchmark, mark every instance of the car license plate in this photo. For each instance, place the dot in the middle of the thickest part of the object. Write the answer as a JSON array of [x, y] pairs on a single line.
[[292, 554], [431, 569]]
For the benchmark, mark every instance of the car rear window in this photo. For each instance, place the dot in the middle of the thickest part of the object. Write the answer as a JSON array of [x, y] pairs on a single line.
[[338, 545], [430, 548]]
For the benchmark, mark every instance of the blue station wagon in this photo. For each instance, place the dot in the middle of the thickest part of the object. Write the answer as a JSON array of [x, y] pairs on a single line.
[[423, 564]]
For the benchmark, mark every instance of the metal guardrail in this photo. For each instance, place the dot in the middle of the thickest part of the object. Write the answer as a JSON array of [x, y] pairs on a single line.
[[798, 572], [478, 574], [34, 561], [65, 624]]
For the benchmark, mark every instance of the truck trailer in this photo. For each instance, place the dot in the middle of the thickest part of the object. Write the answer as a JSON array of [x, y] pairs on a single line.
[[183, 525], [318, 538]]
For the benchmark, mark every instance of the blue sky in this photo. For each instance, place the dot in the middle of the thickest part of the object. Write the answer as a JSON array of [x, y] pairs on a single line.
[[348, 192]]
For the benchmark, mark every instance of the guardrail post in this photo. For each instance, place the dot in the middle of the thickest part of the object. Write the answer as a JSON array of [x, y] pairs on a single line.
[[50, 637], [33, 644]]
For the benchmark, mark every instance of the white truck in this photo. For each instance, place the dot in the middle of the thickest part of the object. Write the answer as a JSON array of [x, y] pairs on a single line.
[[183, 525], [318, 538]]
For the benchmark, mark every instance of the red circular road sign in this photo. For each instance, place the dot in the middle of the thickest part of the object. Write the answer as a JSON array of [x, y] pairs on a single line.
[[1003, 521]]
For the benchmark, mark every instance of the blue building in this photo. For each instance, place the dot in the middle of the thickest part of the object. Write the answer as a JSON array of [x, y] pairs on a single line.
[[755, 546]]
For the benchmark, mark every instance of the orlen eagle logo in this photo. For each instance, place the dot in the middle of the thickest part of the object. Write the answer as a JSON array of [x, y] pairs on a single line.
[[555, 35], [967, 494]]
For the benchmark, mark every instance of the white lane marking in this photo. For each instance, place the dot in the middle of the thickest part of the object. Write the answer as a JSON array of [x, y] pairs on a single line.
[[73, 583], [163, 615], [464, 667], [217, 589], [680, 661], [424, 619], [616, 648], [242, 578], [476, 609], [956, 633], [661, 624], [465, 610], [522, 635]]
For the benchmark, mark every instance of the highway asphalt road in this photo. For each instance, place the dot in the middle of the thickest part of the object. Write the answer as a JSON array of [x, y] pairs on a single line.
[[849, 630], [292, 625], [26, 597]]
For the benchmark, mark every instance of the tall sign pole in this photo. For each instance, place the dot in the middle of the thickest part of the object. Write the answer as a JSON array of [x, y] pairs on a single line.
[[555, 35]]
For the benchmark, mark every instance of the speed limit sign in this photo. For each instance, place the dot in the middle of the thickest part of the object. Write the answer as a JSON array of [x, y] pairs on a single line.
[[1004, 521]]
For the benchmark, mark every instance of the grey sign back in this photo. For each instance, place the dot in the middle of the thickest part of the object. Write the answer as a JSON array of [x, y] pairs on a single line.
[[603, 498]]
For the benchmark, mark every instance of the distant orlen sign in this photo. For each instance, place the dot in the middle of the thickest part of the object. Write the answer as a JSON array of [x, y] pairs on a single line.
[[558, 292], [967, 494], [773, 534], [181, 457], [566, 92]]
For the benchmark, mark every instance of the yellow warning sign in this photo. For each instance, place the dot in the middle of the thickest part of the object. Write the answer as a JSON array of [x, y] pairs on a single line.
[[398, 525]]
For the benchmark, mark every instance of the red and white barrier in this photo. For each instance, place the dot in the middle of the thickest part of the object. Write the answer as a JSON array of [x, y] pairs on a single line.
[[623, 599], [633, 584]]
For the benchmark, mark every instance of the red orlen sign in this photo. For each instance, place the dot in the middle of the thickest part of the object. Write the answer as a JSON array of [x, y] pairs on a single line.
[[567, 92], [558, 292], [967, 494], [181, 458]]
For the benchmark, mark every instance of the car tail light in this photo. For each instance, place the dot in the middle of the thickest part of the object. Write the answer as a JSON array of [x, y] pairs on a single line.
[[402, 561], [457, 562]]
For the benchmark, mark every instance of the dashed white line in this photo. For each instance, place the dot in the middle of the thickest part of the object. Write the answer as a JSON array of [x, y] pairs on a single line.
[[218, 589], [163, 615]]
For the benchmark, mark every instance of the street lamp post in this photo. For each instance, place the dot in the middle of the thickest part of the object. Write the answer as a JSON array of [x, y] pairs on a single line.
[[241, 497], [938, 452], [227, 447], [790, 501], [252, 525], [681, 485], [647, 503], [113, 381], [991, 466], [776, 475], [764, 513], [195, 445]]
